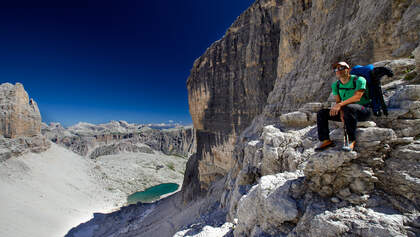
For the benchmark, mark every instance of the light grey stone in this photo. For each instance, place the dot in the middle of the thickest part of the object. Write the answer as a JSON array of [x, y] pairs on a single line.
[[313, 107], [268, 204], [297, 118], [357, 220], [402, 175], [375, 134], [328, 161]]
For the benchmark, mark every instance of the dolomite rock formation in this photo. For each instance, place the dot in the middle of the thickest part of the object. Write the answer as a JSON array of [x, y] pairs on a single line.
[[371, 192], [116, 148], [229, 85], [275, 58], [13, 147], [20, 123], [119, 136], [19, 115]]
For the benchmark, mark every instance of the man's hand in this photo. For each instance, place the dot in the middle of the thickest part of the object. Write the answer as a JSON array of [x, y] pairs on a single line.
[[335, 110]]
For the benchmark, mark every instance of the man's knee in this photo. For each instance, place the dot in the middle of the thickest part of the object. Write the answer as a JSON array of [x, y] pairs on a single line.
[[348, 112]]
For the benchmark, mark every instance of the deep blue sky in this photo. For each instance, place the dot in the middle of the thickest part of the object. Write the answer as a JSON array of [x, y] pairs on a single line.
[[96, 61]]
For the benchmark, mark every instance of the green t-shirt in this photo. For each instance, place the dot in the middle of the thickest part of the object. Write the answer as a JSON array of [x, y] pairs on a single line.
[[345, 94]]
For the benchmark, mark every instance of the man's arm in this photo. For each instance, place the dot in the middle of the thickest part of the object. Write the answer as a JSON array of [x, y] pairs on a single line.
[[337, 99], [355, 98]]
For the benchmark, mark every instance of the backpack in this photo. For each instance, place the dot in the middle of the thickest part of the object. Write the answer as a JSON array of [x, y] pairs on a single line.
[[373, 77]]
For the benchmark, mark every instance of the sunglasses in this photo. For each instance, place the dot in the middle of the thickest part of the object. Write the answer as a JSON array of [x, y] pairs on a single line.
[[340, 68]]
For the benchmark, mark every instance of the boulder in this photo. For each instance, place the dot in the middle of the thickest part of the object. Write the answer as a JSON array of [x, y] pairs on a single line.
[[405, 93], [295, 119], [268, 205], [399, 66], [349, 221], [367, 137], [406, 127], [327, 161], [402, 172], [281, 151], [350, 175]]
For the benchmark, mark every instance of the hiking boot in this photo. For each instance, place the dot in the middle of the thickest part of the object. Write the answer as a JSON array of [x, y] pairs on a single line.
[[350, 147], [324, 145]]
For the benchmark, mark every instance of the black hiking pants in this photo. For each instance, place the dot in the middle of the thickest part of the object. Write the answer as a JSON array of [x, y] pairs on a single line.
[[352, 114]]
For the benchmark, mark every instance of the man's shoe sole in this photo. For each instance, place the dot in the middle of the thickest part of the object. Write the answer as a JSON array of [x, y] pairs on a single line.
[[328, 146], [346, 148]]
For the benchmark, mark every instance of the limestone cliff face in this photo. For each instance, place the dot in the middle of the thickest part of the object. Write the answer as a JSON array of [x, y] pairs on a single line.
[[229, 86], [19, 116], [20, 123], [276, 57]]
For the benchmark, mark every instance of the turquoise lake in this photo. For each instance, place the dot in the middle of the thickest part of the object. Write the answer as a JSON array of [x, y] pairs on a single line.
[[153, 193]]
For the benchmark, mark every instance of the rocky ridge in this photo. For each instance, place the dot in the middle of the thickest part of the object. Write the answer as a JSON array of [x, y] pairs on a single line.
[[93, 140]]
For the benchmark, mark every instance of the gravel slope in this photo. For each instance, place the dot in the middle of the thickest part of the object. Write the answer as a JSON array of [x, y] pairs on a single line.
[[47, 194]]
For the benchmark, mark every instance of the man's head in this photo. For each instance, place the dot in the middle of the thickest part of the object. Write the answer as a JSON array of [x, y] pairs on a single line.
[[341, 69]]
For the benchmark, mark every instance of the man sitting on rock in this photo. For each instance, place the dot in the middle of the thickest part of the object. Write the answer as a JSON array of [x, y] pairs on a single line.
[[352, 103]]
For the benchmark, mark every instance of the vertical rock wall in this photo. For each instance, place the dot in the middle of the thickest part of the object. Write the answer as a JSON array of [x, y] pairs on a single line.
[[229, 86], [19, 116]]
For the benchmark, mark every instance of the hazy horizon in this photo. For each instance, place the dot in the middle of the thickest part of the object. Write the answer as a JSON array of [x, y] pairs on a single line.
[[167, 123]]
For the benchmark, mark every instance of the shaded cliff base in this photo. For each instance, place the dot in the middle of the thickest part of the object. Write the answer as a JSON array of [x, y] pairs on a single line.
[[162, 218]]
